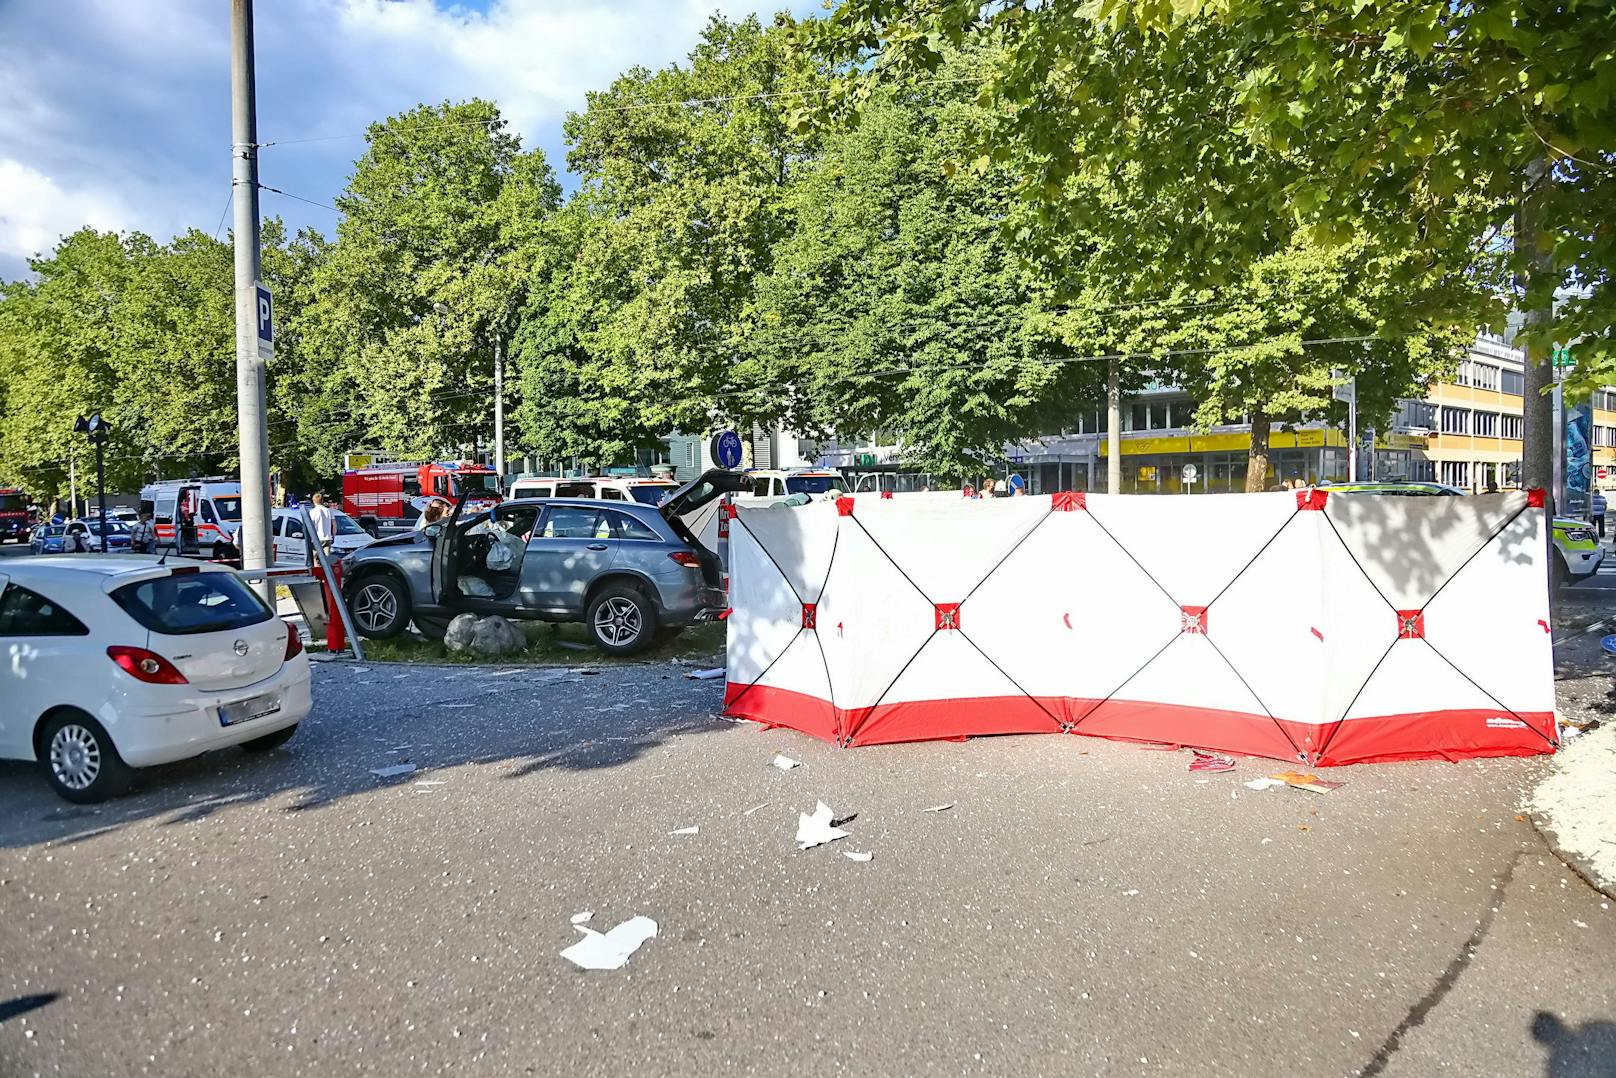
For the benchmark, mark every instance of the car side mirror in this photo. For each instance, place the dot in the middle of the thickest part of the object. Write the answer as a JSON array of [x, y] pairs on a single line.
[[432, 531]]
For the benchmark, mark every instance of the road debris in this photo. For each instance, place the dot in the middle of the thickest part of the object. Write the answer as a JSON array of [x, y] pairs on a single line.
[[691, 830], [852, 855], [610, 949], [784, 762], [393, 771], [431, 782], [1210, 762], [1311, 783], [816, 829], [706, 675], [458, 705], [754, 808], [939, 808], [580, 918], [571, 645], [1262, 783]]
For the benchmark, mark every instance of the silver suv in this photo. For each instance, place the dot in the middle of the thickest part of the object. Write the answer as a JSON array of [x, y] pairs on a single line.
[[629, 572]]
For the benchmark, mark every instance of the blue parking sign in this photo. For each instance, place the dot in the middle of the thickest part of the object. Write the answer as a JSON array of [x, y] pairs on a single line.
[[265, 312]]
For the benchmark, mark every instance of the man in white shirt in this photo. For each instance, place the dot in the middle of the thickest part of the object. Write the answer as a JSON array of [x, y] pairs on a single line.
[[325, 525]]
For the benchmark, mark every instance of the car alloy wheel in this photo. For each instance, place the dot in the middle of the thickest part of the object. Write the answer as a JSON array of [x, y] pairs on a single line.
[[617, 621], [75, 757], [375, 607]]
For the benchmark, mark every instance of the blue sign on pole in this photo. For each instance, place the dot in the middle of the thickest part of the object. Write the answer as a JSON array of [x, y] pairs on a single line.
[[1609, 644], [265, 313], [726, 449]]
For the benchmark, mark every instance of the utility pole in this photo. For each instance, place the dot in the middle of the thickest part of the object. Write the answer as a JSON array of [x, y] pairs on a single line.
[[253, 538], [72, 482], [499, 410], [1113, 428]]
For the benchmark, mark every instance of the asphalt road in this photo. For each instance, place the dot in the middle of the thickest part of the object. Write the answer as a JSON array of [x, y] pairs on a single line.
[[1083, 908]]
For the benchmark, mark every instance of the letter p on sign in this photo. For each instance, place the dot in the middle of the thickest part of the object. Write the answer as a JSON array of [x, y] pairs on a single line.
[[264, 311]]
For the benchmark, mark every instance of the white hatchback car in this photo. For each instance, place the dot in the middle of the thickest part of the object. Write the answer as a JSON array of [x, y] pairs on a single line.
[[118, 662]]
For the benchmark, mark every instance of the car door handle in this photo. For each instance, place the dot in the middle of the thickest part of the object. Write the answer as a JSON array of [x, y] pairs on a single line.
[[596, 546]]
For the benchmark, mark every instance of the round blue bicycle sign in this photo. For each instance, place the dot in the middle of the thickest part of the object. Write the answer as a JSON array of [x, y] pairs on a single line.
[[726, 449]]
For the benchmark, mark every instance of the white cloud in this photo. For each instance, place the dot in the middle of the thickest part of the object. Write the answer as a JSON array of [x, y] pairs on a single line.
[[35, 211], [121, 109]]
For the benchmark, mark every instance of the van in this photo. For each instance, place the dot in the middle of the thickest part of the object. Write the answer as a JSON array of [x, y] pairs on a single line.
[[611, 488]]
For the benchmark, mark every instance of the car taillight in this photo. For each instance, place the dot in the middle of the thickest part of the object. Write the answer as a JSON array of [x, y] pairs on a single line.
[[294, 642], [687, 558], [147, 666]]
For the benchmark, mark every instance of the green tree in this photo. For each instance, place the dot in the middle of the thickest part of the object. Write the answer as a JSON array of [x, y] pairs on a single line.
[[1135, 182], [896, 305], [430, 263], [683, 196]]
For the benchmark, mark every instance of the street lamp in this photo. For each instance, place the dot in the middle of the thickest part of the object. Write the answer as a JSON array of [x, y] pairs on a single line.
[[98, 430]]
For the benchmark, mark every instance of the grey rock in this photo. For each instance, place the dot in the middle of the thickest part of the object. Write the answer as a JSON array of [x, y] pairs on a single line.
[[459, 634], [494, 636]]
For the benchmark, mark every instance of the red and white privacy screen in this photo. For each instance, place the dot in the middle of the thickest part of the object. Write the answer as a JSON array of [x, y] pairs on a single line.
[[1310, 626]]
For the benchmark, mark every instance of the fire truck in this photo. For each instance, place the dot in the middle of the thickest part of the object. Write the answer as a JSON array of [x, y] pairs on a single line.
[[393, 495], [14, 522]]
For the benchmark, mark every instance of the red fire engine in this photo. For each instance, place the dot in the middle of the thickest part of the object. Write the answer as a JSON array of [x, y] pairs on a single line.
[[13, 515], [395, 494]]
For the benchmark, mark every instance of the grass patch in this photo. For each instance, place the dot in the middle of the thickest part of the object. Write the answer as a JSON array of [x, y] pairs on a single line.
[[548, 646]]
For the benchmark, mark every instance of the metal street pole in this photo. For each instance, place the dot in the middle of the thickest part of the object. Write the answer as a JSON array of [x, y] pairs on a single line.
[[72, 482], [499, 410], [1113, 428], [1352, 434], [101, 485], [253, 538]]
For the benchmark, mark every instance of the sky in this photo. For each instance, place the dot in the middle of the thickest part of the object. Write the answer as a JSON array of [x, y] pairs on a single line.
[[116, 113]]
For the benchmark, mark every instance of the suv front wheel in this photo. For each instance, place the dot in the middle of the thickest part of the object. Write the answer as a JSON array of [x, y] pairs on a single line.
[[621, 620], [380, 607]]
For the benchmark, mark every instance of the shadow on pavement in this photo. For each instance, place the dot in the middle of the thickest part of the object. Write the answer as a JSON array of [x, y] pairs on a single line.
[[11, 1008], [436, 720], [1586, 1051]]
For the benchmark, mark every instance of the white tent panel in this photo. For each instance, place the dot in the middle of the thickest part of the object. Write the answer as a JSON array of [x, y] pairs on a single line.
[[1193, 547], [1409, 545], [946, 546], [1064, 633]]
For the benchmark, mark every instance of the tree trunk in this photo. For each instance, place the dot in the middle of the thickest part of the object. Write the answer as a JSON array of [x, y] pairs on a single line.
[[1537, 444], [1257, 462]]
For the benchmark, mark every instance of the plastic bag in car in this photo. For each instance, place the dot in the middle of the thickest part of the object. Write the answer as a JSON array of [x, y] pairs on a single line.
[[476, 587], [503, 549]]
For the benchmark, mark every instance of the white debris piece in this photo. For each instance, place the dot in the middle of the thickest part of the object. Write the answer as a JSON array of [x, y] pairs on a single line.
[[784, 762], [814, 829], [754, 808], [610, 949], [853, 856], [457, 705], [1262, 783], [360, 669], [580, 918], [431, 782], [691, 830], [939, 808], [392, 771], [706, 675]]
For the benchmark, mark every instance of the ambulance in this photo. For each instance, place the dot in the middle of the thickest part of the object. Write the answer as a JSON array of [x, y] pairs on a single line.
[[195, 516]]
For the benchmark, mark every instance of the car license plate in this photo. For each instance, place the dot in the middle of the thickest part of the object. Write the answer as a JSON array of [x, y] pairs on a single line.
[[247, 710]]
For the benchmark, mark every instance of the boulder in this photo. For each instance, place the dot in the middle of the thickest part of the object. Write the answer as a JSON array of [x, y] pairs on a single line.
[[460, 631], [494, 636]]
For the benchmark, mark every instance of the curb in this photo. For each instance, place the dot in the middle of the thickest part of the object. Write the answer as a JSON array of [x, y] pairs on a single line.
[[1574, 862]]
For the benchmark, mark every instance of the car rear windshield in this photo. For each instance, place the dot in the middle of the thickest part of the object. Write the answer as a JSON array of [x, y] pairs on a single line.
[[182, 604], [651, 493], [814, 484]]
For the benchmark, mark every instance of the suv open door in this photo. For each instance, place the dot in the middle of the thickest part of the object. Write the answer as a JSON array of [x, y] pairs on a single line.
[[445, 585], [691, 508]]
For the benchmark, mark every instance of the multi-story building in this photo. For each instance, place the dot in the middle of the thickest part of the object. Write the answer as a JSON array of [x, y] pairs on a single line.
[[1465, 432]]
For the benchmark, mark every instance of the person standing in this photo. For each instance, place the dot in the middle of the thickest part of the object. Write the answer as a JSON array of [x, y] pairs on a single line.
[[143, 537], [1597, 508], [325, 525]]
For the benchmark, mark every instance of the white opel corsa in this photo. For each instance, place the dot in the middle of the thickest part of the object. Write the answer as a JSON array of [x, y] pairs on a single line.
[[110, 663]]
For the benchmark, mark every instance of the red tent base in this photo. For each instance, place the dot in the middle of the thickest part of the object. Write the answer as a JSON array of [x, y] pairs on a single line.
[[1430, 735]]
